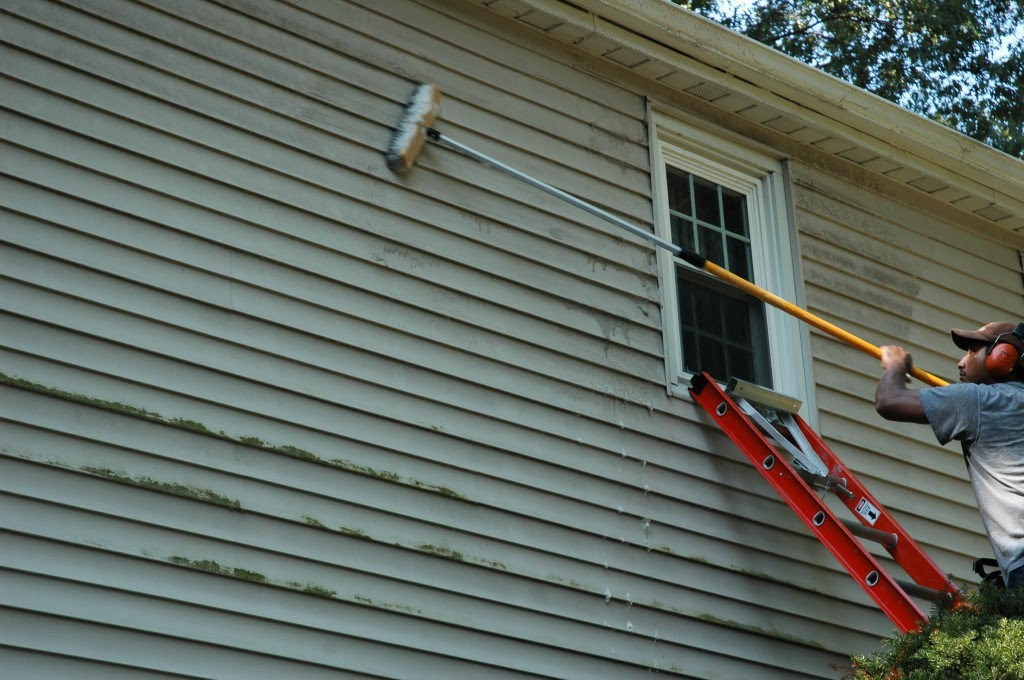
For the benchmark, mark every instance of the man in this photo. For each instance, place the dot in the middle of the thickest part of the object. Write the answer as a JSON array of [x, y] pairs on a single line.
[[985, 412]]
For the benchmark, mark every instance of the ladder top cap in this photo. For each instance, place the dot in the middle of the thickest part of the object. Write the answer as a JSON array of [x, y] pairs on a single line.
[[763, 396]]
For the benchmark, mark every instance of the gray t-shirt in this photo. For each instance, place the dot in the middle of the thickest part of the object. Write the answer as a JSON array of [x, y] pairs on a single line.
[[988, 420]]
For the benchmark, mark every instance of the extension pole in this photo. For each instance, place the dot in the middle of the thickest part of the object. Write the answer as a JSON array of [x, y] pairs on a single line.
[[416, 122], [802, 314], [554, 191], [690, 257]]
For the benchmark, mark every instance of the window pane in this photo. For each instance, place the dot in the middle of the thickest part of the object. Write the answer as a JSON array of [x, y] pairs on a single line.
[[734, 207], [682, 233], [678, 190], [741, 364], [705, 198], [754, 350], [712, 355], [709, 314], [736, 315], [691, 357], [710, 245], [739, 257], [716, 332]]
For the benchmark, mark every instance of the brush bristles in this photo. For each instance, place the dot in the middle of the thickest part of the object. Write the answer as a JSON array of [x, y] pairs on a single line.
[[408, 138]]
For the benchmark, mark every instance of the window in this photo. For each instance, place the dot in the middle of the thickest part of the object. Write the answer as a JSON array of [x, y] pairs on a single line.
[[727, 201], [722, 331]]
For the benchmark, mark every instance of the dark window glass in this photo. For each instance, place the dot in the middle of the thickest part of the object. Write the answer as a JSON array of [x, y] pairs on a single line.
[[734, 208], [723, 330], [739, 258], [706, 198]]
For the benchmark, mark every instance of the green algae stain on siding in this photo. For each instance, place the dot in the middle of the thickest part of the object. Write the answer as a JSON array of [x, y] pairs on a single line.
[[242, 574], [108, 405], [441, 551], [212, 567], [173, 488], [250, 440]]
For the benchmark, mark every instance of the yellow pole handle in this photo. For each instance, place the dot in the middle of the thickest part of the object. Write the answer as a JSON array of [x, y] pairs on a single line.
[[816, 321]]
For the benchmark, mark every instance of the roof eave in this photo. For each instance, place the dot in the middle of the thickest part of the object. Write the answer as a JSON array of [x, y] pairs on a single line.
[[992, 181]]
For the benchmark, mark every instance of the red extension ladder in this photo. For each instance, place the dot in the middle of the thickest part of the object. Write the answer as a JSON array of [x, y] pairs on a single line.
[[765, 426]]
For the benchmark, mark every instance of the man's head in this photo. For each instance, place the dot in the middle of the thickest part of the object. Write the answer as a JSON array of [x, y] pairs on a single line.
[[994, 352]]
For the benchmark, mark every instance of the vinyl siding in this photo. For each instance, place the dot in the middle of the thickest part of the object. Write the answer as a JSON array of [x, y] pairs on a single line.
[[271, 411], [899, 273]]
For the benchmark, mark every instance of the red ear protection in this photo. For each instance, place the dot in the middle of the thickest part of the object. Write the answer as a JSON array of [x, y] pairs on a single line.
[[1003, 355], [1001, 359]]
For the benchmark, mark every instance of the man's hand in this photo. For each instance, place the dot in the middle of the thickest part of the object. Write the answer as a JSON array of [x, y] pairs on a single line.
[[896, 358], [893, 400]]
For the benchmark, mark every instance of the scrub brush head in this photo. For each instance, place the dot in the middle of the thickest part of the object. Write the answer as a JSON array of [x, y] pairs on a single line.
[[409, 135]]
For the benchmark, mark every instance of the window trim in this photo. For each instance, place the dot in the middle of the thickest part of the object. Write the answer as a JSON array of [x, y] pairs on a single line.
[[744, 167]]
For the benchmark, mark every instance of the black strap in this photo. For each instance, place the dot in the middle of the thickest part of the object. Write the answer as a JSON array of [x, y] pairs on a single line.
[[994, 578]]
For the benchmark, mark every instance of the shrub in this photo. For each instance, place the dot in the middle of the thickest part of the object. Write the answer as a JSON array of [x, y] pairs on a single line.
[[982, 638]]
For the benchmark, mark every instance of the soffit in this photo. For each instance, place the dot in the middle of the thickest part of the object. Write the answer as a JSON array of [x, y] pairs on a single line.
[[659, 41]]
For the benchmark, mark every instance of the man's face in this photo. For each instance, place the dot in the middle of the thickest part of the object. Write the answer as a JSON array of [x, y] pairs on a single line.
[[972, 365]]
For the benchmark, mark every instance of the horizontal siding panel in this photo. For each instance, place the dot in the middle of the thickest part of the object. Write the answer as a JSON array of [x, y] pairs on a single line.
[[616, 556], [487, 54], [64, 346], [303, 545], [187, 393], [651, 515], [240, 142], [513, 88], [82, 647], [184, 629], [392, 255], [24, 663], [908, 227], [643, 520], [234, 80], [674, 572], [624, 555], [881, 268], [92, 352], [891, 316], [292, 331], [305, 380], [304, 273], [879, 259]]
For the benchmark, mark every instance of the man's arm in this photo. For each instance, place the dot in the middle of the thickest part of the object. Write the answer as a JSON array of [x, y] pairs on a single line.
[[893, 400]]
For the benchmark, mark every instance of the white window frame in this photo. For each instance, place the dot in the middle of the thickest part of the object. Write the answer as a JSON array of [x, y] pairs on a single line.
[[762, 179]]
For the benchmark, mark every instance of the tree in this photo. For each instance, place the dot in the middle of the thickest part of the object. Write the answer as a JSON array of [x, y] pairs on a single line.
[[960, 62]]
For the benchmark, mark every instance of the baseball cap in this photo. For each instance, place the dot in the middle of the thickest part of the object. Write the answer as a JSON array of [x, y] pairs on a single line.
[[986, 334]]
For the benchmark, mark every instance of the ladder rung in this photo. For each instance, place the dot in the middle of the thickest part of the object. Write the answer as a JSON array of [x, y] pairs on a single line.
[[924, 592], [886, 539]]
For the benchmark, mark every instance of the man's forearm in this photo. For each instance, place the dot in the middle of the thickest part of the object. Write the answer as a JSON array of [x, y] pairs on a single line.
[[894, 401]]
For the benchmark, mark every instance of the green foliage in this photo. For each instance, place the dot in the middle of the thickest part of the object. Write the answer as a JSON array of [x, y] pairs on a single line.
[[960, 62], [981, 639]]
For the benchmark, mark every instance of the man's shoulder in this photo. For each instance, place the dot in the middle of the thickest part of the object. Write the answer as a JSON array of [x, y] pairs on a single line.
[[1011, 387], [989, 397], [1001, 396]]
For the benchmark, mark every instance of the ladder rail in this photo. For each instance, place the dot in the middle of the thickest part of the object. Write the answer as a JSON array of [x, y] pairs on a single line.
[[818, 516], [906, 551]]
